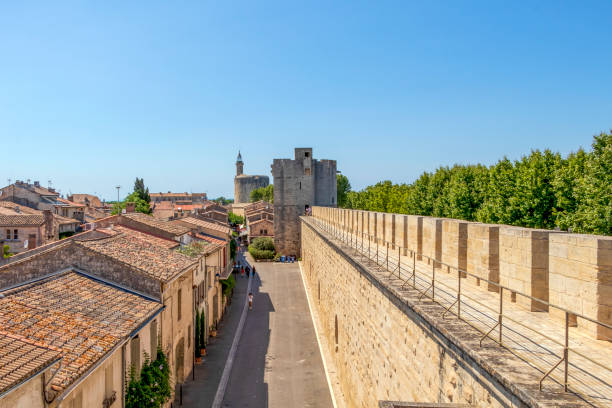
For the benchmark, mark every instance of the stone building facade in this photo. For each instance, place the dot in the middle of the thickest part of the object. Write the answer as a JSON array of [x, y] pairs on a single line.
[[244, 183], [299, 184]]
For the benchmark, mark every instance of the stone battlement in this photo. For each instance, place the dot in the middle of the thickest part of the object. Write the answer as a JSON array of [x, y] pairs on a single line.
[[571, 271], [391, 341]]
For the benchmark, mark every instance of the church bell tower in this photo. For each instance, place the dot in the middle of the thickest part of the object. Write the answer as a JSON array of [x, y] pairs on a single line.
[[239, 164]]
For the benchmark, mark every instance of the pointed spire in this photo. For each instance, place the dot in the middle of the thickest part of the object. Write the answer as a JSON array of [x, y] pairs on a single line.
[[239, 159]]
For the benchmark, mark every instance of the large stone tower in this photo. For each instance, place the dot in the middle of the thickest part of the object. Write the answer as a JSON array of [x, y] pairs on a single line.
[[244, 184], [299, 184]]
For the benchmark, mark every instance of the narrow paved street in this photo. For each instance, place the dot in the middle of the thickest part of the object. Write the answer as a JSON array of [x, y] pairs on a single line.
[[278, 363]]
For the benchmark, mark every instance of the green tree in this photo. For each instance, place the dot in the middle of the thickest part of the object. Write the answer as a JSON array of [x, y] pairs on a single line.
[[202, 344], [196, 333], [235, 219], [566, 182], [343, 187], [223, 201], [594, 190], [141, 190], [263, 193], [140, 197], [6, 251], [541, 190]]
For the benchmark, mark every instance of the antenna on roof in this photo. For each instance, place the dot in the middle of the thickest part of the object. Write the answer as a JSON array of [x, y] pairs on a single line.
[[49, 183], [9, 181], [118, 188]]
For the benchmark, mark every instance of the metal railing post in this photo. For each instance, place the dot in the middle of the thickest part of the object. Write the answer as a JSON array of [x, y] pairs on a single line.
[[399, 263], [501, 312], [387, 256], [566, 351], [414, 269], [433, 280], [459, 294], [376, 251]]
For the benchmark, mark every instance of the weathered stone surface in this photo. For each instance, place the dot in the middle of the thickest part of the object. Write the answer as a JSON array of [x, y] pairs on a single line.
[[581, 279], [388, 345]]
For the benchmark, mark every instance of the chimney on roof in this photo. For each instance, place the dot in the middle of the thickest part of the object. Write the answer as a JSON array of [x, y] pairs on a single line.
[[130, 207], [49, 224], [51, 189], [36, 184]]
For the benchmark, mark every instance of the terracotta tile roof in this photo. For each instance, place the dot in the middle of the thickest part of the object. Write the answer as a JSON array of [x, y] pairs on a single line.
[[204, 224], [163, 214], [81, 316], [163, 205], [82, 198], [151, 221], [65, 220], [167, 243], [21, 220], [43, 191], [186, 207], [22, 358], [177, 195], [9, 207], [261, 220], [210, 239], [69, 203], [147, 255]]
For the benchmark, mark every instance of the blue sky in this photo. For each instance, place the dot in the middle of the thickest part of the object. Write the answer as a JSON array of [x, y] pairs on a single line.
[[94, 94]]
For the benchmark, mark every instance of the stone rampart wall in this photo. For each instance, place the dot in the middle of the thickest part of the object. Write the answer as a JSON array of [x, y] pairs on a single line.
[[388, 345], [572, 271]]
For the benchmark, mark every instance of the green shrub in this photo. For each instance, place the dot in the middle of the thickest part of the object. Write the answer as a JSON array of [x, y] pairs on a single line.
[[264, 243], [228, 284], [152, 388], [261, 253]]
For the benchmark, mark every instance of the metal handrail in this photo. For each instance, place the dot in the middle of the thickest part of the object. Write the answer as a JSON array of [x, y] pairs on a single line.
[[346, 235]]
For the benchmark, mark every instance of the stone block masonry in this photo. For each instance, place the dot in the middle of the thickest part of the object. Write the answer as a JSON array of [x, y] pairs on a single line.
[[572, 271], [523, 265], [300, 184], [454, 244], [388, 345], [581, 279]]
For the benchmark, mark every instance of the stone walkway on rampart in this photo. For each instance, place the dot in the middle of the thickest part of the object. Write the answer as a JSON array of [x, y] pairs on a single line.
[[535, 337]]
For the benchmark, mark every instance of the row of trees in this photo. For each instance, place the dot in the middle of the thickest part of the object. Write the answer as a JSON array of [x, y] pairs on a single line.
[[541, 190], [263, 193]]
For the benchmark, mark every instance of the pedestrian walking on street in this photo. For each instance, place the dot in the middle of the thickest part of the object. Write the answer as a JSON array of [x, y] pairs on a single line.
[[250, 300], [253, 272], [242, 272]]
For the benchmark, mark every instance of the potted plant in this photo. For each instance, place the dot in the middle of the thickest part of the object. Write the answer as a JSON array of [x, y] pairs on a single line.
[[213, 331]]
